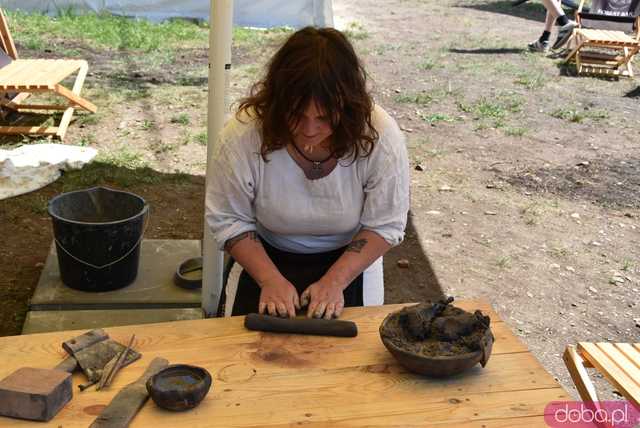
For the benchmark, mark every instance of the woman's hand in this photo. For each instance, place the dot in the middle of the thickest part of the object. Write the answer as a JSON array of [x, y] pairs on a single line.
[[324, 300], [279, 298]]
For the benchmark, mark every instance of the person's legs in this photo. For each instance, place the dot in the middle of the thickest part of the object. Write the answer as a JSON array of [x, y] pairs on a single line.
[[549, 21], [566, 25], [554, 8], [542, 43]]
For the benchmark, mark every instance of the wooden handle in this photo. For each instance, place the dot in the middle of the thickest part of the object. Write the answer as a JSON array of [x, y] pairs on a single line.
[[320, 327], [124, 406]]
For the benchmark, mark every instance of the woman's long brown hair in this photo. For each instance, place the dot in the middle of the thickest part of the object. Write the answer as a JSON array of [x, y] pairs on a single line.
[[316, 64]]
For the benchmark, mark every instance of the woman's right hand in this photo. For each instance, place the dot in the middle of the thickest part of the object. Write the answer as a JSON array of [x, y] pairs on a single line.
[[279, 298]]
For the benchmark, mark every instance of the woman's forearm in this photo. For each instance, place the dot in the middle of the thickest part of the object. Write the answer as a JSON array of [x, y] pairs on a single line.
[[365, 248], [248, 251]]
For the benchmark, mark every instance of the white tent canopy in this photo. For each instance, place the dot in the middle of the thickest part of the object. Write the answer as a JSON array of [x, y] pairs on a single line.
[[250, 13]]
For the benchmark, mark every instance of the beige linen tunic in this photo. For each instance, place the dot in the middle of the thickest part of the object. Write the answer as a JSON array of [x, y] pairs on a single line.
[[299, 215]]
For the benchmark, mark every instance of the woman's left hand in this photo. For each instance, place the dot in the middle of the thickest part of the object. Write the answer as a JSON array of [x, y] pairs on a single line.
[[324, 300]]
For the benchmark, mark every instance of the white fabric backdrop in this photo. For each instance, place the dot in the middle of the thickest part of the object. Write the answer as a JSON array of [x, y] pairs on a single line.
[[251, 13]]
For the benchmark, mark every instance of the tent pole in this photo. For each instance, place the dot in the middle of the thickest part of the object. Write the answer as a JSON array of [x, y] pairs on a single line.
[[220, 37]]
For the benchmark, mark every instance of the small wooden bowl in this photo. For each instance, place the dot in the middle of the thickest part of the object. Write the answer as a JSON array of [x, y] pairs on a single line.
[[179, 387], [440, 367]]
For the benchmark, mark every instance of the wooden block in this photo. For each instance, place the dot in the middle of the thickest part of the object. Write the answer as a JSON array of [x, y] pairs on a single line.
[[36, 394]]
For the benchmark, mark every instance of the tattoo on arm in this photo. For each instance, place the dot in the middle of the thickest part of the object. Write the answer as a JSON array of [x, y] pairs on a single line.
[[233, 241], [356, 246]]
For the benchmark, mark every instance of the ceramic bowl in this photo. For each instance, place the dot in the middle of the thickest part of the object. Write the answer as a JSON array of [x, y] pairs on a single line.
[[442, 366], [179, 387]]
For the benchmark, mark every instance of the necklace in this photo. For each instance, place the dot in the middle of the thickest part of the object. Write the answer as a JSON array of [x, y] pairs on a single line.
[[317, 165]]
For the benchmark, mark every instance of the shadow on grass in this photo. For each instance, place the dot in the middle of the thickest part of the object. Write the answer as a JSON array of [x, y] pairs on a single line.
[[634, 93], [532, 11], [569, 69], [488, 51]]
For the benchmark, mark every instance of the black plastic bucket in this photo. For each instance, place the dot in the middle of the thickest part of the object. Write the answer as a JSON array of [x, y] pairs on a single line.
[[98, 233]]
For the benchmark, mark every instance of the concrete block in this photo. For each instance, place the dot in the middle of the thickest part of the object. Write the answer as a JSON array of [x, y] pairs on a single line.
[[153, 287], [36, 394], [45, 321]]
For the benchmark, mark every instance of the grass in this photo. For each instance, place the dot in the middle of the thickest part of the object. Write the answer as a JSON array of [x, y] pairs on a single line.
[[531, 214], [559, 252], [627, 265], [37, 204], [87, 140], [159, 147], [421, 99], [88, 119], [515, 131], [182, 119], [503, 262], [36, 30], [428, 63], [201, 138], [494, 110], [576, 115], [436, 117], [356, 31], [147, 125], [100, 172], [256, 38], [161, 41], [532, 80], [123, 158]]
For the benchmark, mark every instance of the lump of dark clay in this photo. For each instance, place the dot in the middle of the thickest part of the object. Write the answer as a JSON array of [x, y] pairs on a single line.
[[417, 320], [453, 327], [439, 329]]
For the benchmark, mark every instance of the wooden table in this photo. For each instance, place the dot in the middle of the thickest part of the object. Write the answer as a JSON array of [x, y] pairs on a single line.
[[278, 380]]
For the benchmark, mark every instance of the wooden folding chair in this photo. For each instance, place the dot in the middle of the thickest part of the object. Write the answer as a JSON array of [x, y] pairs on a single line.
[[618, 362], [607, 38], [23, 77]]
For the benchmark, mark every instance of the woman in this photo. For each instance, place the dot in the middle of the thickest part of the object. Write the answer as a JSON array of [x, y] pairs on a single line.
[[311, 183]]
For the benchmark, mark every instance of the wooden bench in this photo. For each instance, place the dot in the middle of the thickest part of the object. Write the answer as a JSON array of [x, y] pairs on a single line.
[[23, 77], [618, 362]]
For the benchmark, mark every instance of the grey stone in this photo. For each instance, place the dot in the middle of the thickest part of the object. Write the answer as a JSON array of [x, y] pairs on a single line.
[[45, 321]]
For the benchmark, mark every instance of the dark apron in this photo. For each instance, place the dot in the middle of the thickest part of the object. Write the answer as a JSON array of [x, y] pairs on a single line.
[[301, 270]]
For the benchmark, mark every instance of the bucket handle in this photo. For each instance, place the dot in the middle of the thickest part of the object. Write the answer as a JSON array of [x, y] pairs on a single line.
[[146, 223]]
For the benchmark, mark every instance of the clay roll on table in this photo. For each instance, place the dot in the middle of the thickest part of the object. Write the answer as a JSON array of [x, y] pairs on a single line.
[[320, 327]]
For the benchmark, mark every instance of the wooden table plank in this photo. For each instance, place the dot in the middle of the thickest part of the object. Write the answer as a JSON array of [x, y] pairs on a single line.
[[275, 410], [189, 338], [630, 352], [627, 365], [427, 422], [274, 380]]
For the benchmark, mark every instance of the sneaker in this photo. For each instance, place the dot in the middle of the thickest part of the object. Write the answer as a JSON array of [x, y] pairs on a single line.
[[564, 33], [539, 46]]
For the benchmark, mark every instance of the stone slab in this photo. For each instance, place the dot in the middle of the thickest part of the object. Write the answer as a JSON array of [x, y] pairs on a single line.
[[153, 288], [46, 321]]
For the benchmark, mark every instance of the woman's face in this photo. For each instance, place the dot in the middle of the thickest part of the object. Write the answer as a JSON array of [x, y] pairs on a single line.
[[313, 128]]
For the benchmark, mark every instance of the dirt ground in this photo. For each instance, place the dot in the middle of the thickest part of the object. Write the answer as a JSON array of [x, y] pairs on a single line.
[[525, 178]]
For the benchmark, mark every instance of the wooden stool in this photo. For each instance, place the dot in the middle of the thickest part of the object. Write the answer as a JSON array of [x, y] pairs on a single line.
[[618, 362]]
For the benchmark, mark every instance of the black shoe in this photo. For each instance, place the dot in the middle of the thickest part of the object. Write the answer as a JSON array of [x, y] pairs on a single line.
[[538, 46], [564, 34]]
